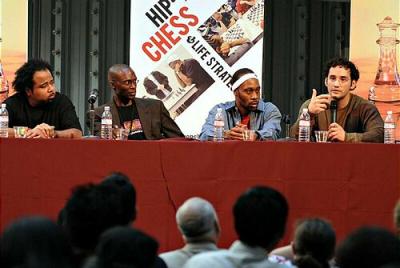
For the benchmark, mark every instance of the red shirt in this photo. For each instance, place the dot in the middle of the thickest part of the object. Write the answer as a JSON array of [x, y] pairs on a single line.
[[246, 121]]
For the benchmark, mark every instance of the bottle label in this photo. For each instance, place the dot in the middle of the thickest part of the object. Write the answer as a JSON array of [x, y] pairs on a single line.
[[389, 125], [106, 121], [218, 123], [304, 123], [3, 119]]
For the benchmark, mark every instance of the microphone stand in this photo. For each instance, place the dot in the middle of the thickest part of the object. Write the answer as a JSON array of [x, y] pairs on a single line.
[[287, 130], [91, 121], [286, 120], [91, 116], [333, 108]]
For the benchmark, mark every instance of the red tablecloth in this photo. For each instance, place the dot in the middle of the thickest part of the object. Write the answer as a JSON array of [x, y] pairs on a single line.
[[349, 184]]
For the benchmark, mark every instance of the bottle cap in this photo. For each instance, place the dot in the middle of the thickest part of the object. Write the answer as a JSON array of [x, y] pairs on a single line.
[[389, 112], [3, 105], [106, 108], [305, 110], [219, 109]]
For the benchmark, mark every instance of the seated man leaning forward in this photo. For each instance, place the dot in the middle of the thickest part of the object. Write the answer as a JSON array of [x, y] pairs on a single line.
[[37, 105], [357, 119], [247, 111], [146, 119]]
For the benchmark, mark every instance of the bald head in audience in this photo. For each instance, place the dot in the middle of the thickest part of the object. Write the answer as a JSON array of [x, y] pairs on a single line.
[[197, 221]]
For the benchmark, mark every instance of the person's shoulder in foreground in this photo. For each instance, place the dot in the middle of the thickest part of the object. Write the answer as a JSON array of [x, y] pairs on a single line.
[[260, 215], [198, 223]]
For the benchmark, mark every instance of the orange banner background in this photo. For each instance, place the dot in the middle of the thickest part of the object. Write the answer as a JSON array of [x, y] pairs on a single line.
[[14, 35], [364, 51]]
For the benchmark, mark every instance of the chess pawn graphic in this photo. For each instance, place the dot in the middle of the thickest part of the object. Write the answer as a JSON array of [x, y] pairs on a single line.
[[385, 92], [4, 87]]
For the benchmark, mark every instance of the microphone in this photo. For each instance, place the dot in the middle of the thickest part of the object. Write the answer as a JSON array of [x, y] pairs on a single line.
[[93, 96], [286, 120], [333, 108]]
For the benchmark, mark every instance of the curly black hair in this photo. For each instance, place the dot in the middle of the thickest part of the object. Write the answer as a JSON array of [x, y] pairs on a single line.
[[346, 64], [24, 75]]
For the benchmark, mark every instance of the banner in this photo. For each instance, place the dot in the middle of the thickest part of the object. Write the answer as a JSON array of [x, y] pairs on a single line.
[[14, 40], [184, 52], [364, 51], [372, 49]]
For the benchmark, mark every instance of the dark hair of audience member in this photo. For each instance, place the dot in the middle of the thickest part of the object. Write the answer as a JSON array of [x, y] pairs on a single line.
[[368, 247], [90, 210], [314, 243], [391, 265], [260, 217], [128, 194], [35, 242], [24, 75], [126, 247], [239, 73], [396, 215]]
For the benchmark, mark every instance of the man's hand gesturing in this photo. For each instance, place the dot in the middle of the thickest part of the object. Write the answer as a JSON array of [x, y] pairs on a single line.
[[318, 103]]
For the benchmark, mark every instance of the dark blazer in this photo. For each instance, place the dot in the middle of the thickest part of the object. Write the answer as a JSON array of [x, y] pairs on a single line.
[[154, 117]]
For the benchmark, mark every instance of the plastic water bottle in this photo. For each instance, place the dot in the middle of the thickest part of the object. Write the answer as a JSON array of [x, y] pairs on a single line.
[[3, 121], [304, 126], [390, 128], [106, 124], [219, 126]]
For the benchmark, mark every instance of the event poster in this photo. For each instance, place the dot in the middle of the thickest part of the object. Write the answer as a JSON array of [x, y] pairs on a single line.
[[364, 51], [14, 39], [184, 52], [372, 52]]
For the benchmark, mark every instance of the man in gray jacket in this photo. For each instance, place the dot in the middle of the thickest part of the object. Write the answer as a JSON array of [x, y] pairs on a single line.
[[198, 223]]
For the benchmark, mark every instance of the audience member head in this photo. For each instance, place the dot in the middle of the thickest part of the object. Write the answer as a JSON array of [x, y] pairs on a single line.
[[123, 81], [368, 247], [127, 192], [397, 217], [260, 217], [35, 242], [314, 243], [61, 217], [90, 210], [126, 247], [197, 221], [35, 80], [391, 265]]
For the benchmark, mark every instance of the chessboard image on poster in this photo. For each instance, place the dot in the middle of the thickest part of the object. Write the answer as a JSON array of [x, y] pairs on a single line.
[[178, 81], [234, 28]]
